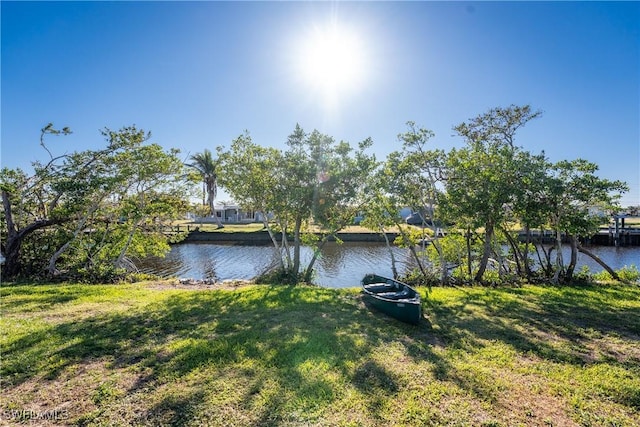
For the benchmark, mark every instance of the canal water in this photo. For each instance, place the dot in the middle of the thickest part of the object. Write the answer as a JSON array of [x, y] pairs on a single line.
[[339, 266]]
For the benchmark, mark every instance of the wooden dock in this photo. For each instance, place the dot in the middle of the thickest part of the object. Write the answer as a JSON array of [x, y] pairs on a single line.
[[618, 233]]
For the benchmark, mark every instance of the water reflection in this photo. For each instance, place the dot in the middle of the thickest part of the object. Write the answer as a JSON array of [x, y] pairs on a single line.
[[338, 266], [615, 257]]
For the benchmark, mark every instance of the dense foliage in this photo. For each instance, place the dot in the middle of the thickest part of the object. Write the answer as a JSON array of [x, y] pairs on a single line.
[[487, 212], [87, 214], [481, 209], [308, 192], [487, 192]]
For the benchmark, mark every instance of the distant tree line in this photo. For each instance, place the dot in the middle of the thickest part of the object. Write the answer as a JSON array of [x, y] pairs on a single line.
[[92, 213]]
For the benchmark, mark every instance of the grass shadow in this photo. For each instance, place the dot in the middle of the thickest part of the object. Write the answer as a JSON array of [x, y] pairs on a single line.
[[553, 324], [282, 351]]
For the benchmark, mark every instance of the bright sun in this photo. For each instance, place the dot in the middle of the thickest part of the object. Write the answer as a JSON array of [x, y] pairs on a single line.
[[331, 61]]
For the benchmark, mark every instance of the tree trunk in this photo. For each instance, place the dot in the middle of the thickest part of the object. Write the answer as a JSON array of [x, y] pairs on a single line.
[[286, 248], [599, 261], [11, 247], [468, 241], [11, 265], [394, 270], [559, 261], [574, 258], [53, 271], [54, 258], [309, 270], [517, 255], [15, 237], [276, 246], [548, 265], [119, 262], [412, 249], [525, 255], [211, 196], [296, 246], [486, 253]]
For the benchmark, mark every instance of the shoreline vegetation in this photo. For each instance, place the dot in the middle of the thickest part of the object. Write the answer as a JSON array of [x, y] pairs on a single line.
[[164, 353], [88, 215]]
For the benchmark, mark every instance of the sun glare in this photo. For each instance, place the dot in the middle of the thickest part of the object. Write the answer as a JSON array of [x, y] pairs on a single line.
[[331, 61]]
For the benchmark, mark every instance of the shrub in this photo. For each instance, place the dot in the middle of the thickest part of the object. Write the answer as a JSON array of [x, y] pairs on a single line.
[[278, 275], [416, 278], [629, 274], [602, 276], [583, 275]]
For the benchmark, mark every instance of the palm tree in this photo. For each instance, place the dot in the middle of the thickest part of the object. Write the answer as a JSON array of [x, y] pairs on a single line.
[[206, 165]]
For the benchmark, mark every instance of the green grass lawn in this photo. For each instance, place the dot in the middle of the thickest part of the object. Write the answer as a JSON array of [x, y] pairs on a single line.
[[213, 227], [290, 356]]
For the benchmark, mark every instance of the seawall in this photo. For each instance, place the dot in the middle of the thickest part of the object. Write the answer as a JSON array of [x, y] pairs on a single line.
[[262, 237]]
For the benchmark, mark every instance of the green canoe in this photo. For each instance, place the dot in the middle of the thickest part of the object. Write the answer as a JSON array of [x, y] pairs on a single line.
[[392, 297]]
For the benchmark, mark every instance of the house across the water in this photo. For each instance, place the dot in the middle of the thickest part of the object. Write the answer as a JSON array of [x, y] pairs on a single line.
[[230, 213]]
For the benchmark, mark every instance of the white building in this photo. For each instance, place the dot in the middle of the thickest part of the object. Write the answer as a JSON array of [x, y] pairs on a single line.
[[230, 213]]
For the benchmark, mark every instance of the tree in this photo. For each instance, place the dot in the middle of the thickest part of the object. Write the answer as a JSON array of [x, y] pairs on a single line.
[[248, 171], [380, 214], [310, 191], [90, 211], [482, 178], [573, 190], [343, 190], [529, 207], [410, 178], [491, 183], [25, 205], [152, 194], [207, 168]]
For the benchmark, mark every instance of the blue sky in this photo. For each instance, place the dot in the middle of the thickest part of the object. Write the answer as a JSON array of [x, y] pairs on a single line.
[[197, 74]]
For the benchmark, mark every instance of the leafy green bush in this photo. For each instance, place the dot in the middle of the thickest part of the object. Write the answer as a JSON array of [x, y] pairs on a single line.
[[99, 273], [416, 278], [629, 274], [278, 275], [583, 274], [139, 277]]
